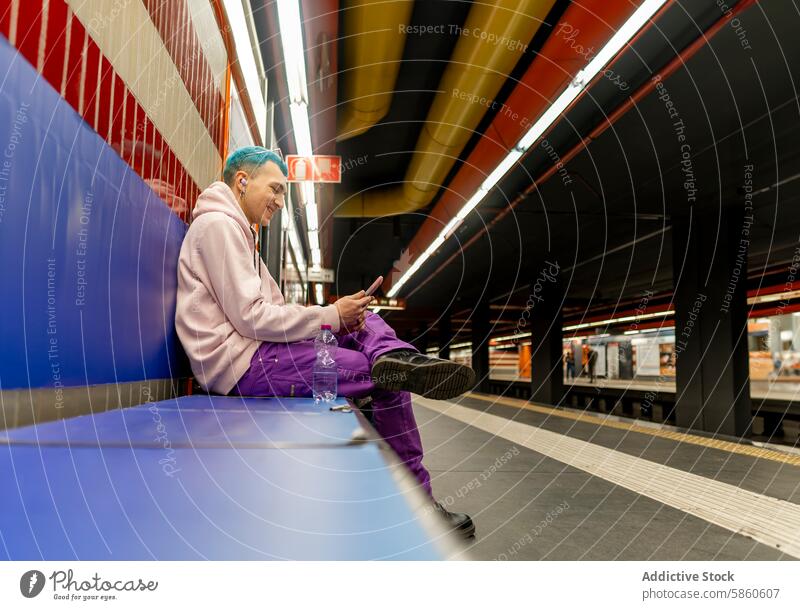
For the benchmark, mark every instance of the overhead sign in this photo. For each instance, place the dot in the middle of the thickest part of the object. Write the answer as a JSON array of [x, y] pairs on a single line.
[[316, 168], [320, 275]]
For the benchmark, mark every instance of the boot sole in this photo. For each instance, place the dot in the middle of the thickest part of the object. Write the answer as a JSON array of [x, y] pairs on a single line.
[[438, 381], [467, 532]]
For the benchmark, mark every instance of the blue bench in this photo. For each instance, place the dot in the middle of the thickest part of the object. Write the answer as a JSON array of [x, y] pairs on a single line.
[[209, 477]]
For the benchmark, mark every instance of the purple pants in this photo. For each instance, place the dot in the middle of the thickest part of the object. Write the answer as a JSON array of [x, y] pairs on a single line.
[[285, 369]]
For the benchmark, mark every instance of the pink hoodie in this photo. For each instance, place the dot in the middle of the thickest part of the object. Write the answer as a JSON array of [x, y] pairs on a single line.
[[227, 305]]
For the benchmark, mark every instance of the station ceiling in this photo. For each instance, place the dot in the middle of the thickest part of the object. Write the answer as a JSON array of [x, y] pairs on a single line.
[[607, 217]]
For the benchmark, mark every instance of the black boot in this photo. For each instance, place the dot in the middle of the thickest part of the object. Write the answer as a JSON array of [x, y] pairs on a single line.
[[460, 523], [407, 370]]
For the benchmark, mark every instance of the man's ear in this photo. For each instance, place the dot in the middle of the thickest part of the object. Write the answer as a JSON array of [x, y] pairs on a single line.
[[240, 182]]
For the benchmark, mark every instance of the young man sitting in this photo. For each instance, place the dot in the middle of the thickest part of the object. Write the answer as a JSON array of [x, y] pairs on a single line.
[[243, 339]]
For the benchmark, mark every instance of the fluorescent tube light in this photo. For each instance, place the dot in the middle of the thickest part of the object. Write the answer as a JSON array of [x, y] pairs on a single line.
[[293, 50], [301, 129], [501, 170], [313, 240], [247, 62]]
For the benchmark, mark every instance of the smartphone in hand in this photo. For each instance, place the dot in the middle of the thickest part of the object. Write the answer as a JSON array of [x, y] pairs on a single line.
[[369, 291]]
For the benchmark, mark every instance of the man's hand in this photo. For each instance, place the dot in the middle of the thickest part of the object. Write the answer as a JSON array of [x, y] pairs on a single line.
[[352, 310]]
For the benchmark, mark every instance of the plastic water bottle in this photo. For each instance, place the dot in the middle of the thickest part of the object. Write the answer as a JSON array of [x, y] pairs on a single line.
[[324, 382]]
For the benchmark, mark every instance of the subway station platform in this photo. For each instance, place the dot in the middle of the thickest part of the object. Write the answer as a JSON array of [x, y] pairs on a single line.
[[759, 390], [560, 484], [774, 406]]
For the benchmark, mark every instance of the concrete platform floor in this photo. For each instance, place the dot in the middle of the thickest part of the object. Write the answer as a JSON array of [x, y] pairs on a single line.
[[546, 483]]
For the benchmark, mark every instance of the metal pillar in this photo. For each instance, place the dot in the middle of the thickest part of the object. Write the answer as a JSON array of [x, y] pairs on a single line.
[[710, 248], [445, 335], [543, 308], [480, 345]]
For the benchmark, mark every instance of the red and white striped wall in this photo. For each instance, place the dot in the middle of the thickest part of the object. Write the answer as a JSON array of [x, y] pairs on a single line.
[[150, 77]]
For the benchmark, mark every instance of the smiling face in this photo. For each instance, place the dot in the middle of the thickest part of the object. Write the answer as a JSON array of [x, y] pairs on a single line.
[[263, 193]]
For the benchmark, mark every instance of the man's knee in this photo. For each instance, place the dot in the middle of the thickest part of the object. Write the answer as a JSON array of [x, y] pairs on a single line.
[[379, 326]]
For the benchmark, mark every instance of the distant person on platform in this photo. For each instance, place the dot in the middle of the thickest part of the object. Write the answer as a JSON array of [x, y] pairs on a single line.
[[584, 359], [777, 363], [243, 339], [569, 359], [592, 363]]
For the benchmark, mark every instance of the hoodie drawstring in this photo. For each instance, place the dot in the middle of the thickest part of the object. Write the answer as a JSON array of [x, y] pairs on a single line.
[[255, 253]]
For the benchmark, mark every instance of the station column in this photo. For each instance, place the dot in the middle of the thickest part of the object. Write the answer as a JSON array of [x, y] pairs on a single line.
[[445, 335], [421, 339], [543, 309], [480, 345], [710, 247]]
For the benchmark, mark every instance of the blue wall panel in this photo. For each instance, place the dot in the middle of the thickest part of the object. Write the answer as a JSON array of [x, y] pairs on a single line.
[[88, 253]]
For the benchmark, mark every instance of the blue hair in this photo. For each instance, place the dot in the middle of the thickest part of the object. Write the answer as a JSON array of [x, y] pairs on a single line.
[[249, 159]]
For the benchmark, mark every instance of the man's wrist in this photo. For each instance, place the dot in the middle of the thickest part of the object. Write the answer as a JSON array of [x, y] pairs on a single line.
[[339, 314], [330, 315]]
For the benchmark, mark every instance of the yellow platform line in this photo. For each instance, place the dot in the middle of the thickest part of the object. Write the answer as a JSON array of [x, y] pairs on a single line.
[[681, 437]]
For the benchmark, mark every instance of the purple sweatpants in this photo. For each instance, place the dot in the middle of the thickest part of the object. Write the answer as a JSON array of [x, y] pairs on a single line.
[[285, 369]]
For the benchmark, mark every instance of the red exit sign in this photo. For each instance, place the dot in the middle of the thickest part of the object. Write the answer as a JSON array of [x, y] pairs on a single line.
[[317, 168]]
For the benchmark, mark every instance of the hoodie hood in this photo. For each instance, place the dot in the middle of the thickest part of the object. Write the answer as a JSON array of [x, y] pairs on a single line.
[[219, 197]]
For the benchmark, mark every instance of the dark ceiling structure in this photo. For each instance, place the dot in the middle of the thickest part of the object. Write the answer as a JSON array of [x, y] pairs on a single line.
[[710, 102]]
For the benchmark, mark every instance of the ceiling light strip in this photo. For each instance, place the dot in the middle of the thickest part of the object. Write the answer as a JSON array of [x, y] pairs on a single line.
[[295, 66], [248, 62], [628, 30]]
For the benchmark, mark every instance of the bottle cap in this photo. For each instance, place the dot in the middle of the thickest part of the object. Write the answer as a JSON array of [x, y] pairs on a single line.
[[325, 327]]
